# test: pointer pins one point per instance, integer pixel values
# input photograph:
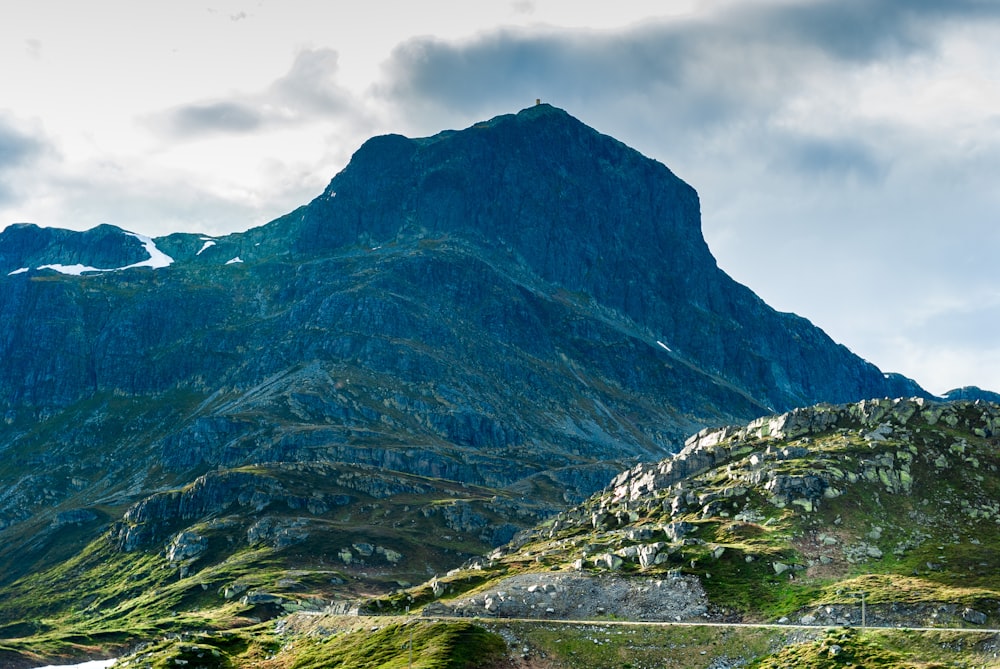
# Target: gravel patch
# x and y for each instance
(579, 596)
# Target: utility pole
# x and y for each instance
(862, 596)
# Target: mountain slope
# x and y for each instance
(580, 210)
(502, 317)
(790, 515)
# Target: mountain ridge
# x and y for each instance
(397, 188)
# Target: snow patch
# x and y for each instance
(157, 258)
(208, 243)
(73, 270)
(235, 260)
(22, 270)
(93, 664)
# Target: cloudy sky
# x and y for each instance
(847, 152)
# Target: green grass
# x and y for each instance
(452, 645)
(872, 649)
(634, 647)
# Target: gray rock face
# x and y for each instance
(562, 596)
(148, 521)
(186, 546)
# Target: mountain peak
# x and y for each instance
(579, 208)
(580, 211)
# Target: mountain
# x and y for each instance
(461, 336)
(972, 393)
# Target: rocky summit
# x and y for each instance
(461, 336)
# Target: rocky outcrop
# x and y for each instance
(795, 464)
(149, 520)
(74, 517)
(876, 419)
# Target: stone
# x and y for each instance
(391, 556)
(234, 590)
(186, 545)
(608, 561)
(363, 549)
(648, 554)
(255, 597)
(975, 617)
(677, 530)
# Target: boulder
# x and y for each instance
(185, 546)
(974, 617)
(608, 561)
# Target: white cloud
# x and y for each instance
(19, 149)
(308, 93)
